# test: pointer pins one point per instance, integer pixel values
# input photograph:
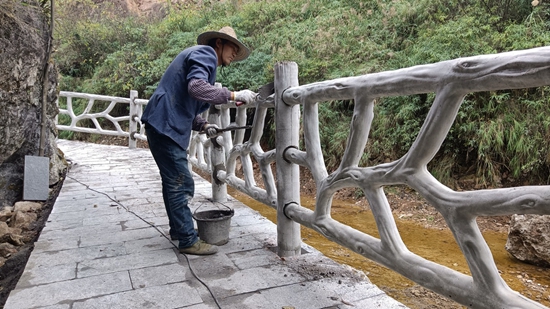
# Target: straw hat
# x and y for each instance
(226, 33)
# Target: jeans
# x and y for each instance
(178, 186)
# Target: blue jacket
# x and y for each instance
(171, 110)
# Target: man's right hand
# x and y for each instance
(245, 96)
(211, 130)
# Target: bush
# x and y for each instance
(494, 134)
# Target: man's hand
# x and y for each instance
(211, 130)
(245, 96)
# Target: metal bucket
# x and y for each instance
(213, 225)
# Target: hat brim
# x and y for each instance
(205, 37)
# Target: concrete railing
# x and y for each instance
(230, 160)
(451, 81)
(98, 109)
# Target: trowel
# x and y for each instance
(265, 91)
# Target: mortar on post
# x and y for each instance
(213, 225)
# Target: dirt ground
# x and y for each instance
(12, 270)
(406, 205)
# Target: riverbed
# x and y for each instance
(435, 244)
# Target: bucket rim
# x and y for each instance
(227, 215)
(220, 204)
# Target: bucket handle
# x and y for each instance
(231, 209)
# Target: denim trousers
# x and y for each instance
(178, 186)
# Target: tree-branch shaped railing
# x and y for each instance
(202, 151)
(221, 156)
(88, 113)
(97, 111)
(451, 81)
(247, 151)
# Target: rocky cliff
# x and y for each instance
(121, 8)
(24, 39)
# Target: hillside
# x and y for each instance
(112, 54)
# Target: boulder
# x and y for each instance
(16, 240)
(6, 213)
(7, 249)
(24, 39)
(11, 232)
(27, 206)
(16, 231)
(4, 228)
(154, 9)
(529, 239)
(23, 220)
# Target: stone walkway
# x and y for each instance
(104, 246)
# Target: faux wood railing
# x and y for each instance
(230, 160)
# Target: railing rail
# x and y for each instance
(230, 160)
(88, 113)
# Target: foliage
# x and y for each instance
(496, 135)
(247, 74)
(338, 114)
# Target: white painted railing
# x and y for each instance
(230, 160)
(451, 81)
(98, 109)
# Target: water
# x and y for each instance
(433, 244)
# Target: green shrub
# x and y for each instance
(495, 135)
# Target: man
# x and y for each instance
(185, 91)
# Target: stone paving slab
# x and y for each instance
(105, 246)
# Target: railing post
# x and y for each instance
(132, 128)
(287, 120)
(217, 157)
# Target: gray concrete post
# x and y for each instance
(287, 119)
(132, 127)
(217, 157)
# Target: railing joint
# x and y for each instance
(284, 209)
(283, 96)
(285, 153)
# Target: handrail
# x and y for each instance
(91, 114)
(231, 160)
(451, 81)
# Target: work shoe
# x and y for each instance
(200, 248)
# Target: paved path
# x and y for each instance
(104, 247)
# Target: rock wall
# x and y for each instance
(23, 44)
(151, 8)
(147, 7)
